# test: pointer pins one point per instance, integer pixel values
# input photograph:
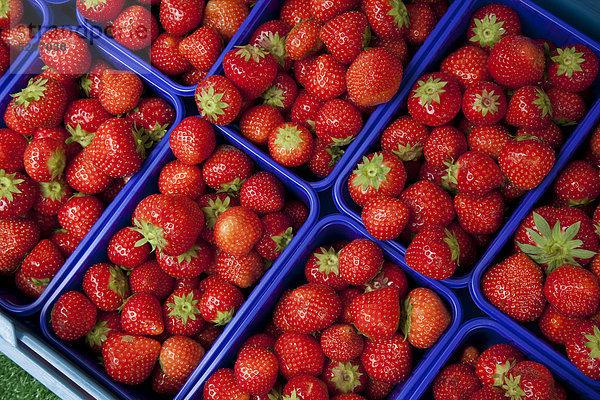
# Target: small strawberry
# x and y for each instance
(388, 20)
(66, 242)
(256, 370)
(12, 149)
(122, 249)
(444, 145)
(299, 354)
(213, 205)
(303, 40)
(17, 238)
(154, 114)
(491, 23)
(73, 57)
(567, 107)
(326, 78)
(150, 278)
(428, 204)
(376, 314)
(290, 144)
(38, 268)
(45, 159)
(257, 122)
(164, 384)
(41, 103)
(405, 137)
(82, 119)
(73, 316)
(484, 103)
(489, 139)
(305, 109)
(360, 261)
(226, 16)
(202, 48)
(142, 315)
(577, 184)
(345, 36)
(469, 356)
(177, 177)
(311, 307)
(192, 140)
(379, 174)
(18, 194)
(135, 28)
(263, 193)
(276, 235)
(85, 176)
(456, 381)
(220, 301)
(526, 163)
(385, 217)
(529, 107)
(120, 91)
(218, 100)
(222, 386)
(387, 360)
(324, 158)
(555, 326)
(297, 211)
(106, 286)
(101, 11)
(79, 214)
(342, 342)
(322, 266)
(182, 314)
(90, 82)
(426, 318)
(130, 359)
(282, 93)
(572, 68)
(435, 99)
(480, 216)
(468, 65)
(433, 252)
(179, 356)
(179, 17)
(338, 122)
(583, 346)
(573, 291)
(516, 61)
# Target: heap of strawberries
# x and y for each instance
(184, 266)
(184, 38)
(480, 132)
(72, 140)
(552, 274)
(499, 372)
(306, 82)
(348, 333)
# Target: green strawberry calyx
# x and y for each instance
(5, 8)
(214, 209)
(451, 172)
(275, 394)
(341, 142)
(188, 255)
(568, 61)
(487, 31)
(34, 91)
(93, 3)
(232, 188)
(409, 151)
(98, 334)
(512, 386)
(152, 234)
(430, 90)
(501, 371)
(249, 51)
(9, 185)
(79, 135)
(53, 191)
(336, 154)
(288, 137)
(57, 163)
(283, 240)
(452, 242)
(291, 396)
(118, 282)
(366, 37)
(399, 12)
(40, 282)
(553, 246)
(328, 261)
(142, 140)
(486, 102)
(184, 308)
(593, 343)
(86, 84)
(275, 44)
(542, 101)
(405, 316)
(346, 377)
(370, 173)
(157, 132)
(273, 96)
(210, 103)
(223, 317)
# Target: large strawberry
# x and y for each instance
(100, 11)
(346, 35)
(573, 291)
(387, 360)
(405, 137)
(202, 48)
(142, 315)
(290, 144)
(577, 184)
(491, 23)
(475, 174)
(251, 69)
(428, 204)
(480, 215)
(154, 114)
(120, 91)
(179, 17)
(79, 214)
(359, 261)
(468, 65)
(379, 174)
(226, 16)
(17, 194)
(130, 359)
(555, 326)
(41, 103)
(220, 301)
(526, 163)
(179, 356)
(65, 51)
(338, 122)
(256, 370)
(218, 100)
(322, 266)
(181, 312)
(150, 278)
(237, 230)
(342, 342)
(17, 238)
(299, 354)
(38, 268)
(222, 386)
(192, 140)
(376, 314)
(572, 68)
(73, 316)
(529, 107)
(82, 119)
(282, 93)
(240, 270)
(303, 40)
(311, 307)
(433, 252)
(495, 362)
(516, 61)
(528, 379)
(435, 99)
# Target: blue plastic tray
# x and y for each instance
(537, 23)
(11, 299)
(332, 228)
(483, 333)
(117, 216)
(374, 123)
(96, 30)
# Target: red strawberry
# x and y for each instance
(484, 103)
(433, 252)
(188, 264)
(218, 100)
(475, 174)
(179, 178)
(344, 377)
(379, 174)
(282, 93)
(495, 362)
(326, 78)
(299, 354)
(179, 17)
(106, 286)
(516, 61)
(192, 140)
(213, 205)
(237, 230)
(572, 68)
(73, 316)
(135, 28)
(107, 324)
(388, 360)
(385, 217)
(444, 145)
(182, 314)
(387, 20)
(262, 340)
(377, 390)
(374, 77)
(577, 184)
(79, 214)
(66, 242)
(101, 11)
(324, 10)
(342, 342)
(303, 40)
(12, 149)
(202, 48)
(257, 122)
(17, 238)
(122, 249)
(222, 386)
(305, 109)
(488, 139)
(256, 370)
(90, 82)
(324, 158)
(311, 307)
(290, 144)
(226, 16)
(583, 347)
(142, 315)
(85, 176)
(263, 193)
(428, 204)
(469, 356)
(150, 278)
(573, 291)
(376, 314)
(82, 119)
(491, 23)
(322, 267)
(567, 107)
(45, 159)
(277, 234)
(38, 268)
(468, 65)
(304, 387)
(480, 216)
(529, 107)
(220, 301)
(154, 114)
(359, 261)
(179, 356)
(422, 20)
(242, 271)
(251, 69)
(528, 379)
(338, 122)
(41, 103)
(455, 381)
(227, 169)
(130, 359)
(15, 123)
(12, 14)
(426, 318)
(405, 137)
(120, 91)
(65, 51)
(271, 36)
(515, 286)
(390, 275)
(345, 36)
(555, 326)
(435, 99)
(17, 194)
(297, 211)
(397, 47)
(164, 384)
(526, 163)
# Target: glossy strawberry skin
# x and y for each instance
(578, 351)
(12, 149)
(439, 108)
(237, 230)
(428, 204)
(344, 36)
(376, 314)
(226, 16)
(424, 332)
(73, 59)
(179, 17)
(379, 174)
(257, 122)
(484, 103)
(73, 316)
(385, 217)
(456, 379)
(101, 12)
(299, 354)
(517, 154)
(555, 326)
(192, 140)
(256, 370)
(251, 69)
(516, 61)
(38, 268)
(106, 285)
(311, 307)
(574, 291)
(222, 385)
(201, 48)
(503, 19)
(79, 214)
(388, 360)
(224, 110)
(566, 76)
(135, 28)
(130, 359)
(359, 261)
(303, 40)
(480, 216)
(443, 145)
(430, 254)
(387, 20)
(290, 144)
(220, 301)
(492, 360)
(468, 65)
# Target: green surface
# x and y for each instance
(16, 384)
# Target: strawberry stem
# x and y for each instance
(346, 377)
(488, 31)
(34, 91)
(328, 261)
(8, 185)
(152, 234)
(371, 172)
(210, 103)
(214, 209)
(184, 307)
(568, 61)
(54, 190)
(79, 135)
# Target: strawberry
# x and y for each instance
(572, 68)
(14, 123)
(251, 69)
(488, 139)
(180, 178)
(82, 119)
(324, 158)
(475, 174)
(297, 211)
(221, 385)
(290, 144)
(45, 159)
(325, 11)
(528, 379)
(577, 184)
(256, 370)
(142, 315)
(271, 36)
(342, 342)
(444, 145)
(558, 392)
(379, 174)
(38, 268)
(106, 286)
(385, 217)
(491, 23)
(179, 356)
(526, 163)
(220, 301)
(101, 11)
(294, 11)
(276, 235)
(73, 316)
(11, 14)
(573, 291)
(107, 324)
(583, 347)
(66, 242)
(304, 387)
(213, 205)
(344, 377)
(262, 340)
(148, 277)
(12, 149)
(201, 48)
(426, 318)
(90, 82)
(242, 271)
(257, 122)
(218, 100)
(326, 78)
(345, 36)
(322, 266)
(41, 103)
(237, 230)
(79, 214)
(516, 61)
(135, 28)
(181, 312)
(469, 356)
(468, 65)
(377, 390)
(390, 275)
(428, 204)
(480, 216)
(555, 326)
(434, 99)
(376, 314)
(164, 384)
(567, 107)
(484, 103)
(374, 77)
(387, 20)
(338, 122)
(405, 137)
(456, 381)
(515, 286)
(495, 362)
(130, 359)
(263, 193)
(226, 16)
(299, 354)
(120, 91)
(85, 176)
(433, 252)
(17, 194)
(282, 93)
(179, 17)
(529, 107)
(359, 261)
(192, 140)
(422, 20)
(387, 360)
(154, 114)
(311, 307)
(303, 40)
(301, 68)
(65, 51)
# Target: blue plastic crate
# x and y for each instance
(483, 333)
(11, 299)
(536, 23)
(332, 228)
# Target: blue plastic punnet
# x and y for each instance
(483, 333)
(11, 299)
(539, 24)
(334, 227)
